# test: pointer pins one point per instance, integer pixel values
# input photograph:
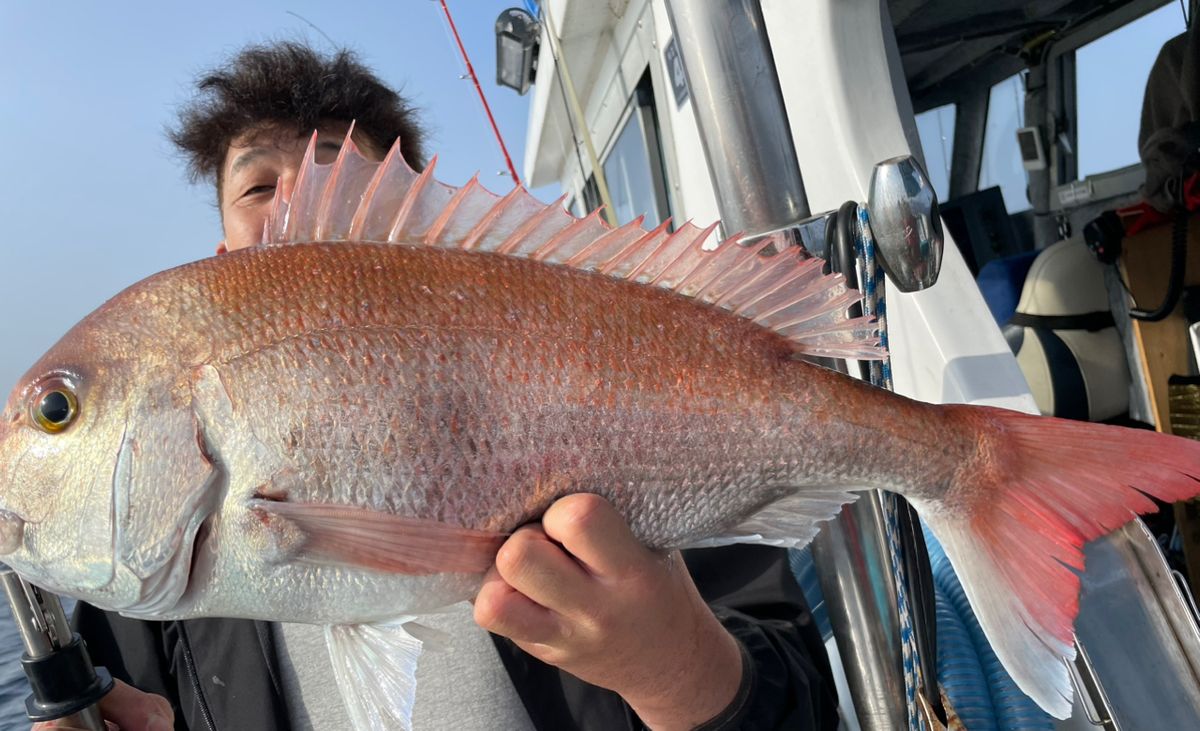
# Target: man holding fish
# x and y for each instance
(418, 395)
(579, 605)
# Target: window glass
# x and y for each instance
(1110, 82)
(589, 199)
(1001, 164)
(628, 172)
(936, 130)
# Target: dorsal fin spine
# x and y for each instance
(388, 202)
(701, 273)
(783, 281)
(692, 250)
(439, 224)
(307, 170)
(748, 279)
(717, 265)
(514, 239)
(761, 280)
(583, 254)
(358, 223)
(617, 259)
(844, 326)
(274, 226)
(742, 256)
(664, 245)
(335, 173)
(479, 230)
(566, 234)
(848, 297)
(684, 254)
(410, 200)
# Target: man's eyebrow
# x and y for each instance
(254, 153)
(246, 158)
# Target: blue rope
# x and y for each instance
(880, 374)
(874, 299)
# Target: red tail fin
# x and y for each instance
(1015, 523)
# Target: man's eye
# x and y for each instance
(259, 190)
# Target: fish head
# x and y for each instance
(99, 459)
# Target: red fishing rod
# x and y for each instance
(486, 108)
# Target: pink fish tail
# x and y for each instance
(1015, 520)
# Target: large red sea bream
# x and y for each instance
(341, 427)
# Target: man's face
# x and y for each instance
(258, 161)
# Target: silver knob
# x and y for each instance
(905, 223)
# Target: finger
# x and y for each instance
(135, 710)
(503, 610)
(592, 531)
(541, 570)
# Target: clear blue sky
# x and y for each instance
(93, 196)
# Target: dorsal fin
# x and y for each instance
(776, 286)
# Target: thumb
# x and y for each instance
(135, 710)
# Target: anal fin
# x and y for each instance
(790, 522)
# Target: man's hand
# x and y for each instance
(128, 709)
(579, 592)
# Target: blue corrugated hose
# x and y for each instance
(979, 687)
(980, 690)
(959, 668)
(805, 572)
(1015, 711)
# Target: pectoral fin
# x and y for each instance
(369, 539)
(376, 670)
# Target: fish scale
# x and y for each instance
(465, 345)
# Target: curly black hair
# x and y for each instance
(287, 83)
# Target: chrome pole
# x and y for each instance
(751, 157)
(744, 128)
(855, 571)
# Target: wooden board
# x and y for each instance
(1163, 346)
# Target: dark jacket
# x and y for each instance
(222, 674)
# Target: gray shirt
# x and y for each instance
(462, 687)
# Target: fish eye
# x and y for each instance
(55, 409)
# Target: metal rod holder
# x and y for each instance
(64, 683)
